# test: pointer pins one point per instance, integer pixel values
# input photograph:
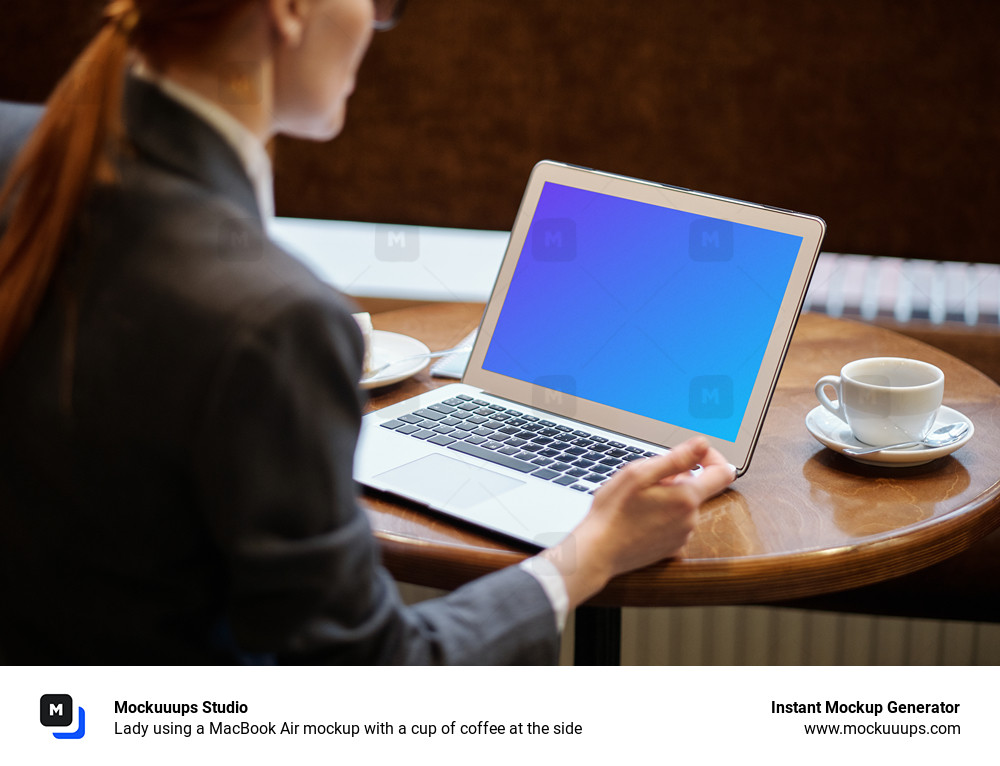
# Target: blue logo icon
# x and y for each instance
(551, 393)
(711, 240)
(554, 239)
(57, 710)
(711, 397)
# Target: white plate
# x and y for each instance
(834, 433)
(388, 346)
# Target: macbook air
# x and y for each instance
(627, 316)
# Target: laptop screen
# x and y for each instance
(650, 310)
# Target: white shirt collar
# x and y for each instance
(250, 149)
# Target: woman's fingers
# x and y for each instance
(674, 466)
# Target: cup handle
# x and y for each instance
(833, 381)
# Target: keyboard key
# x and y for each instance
(443, 430)
(577, 472)
(576, 451)
(410, 418)
(615, 444)
(549, 432)
(407, 429)
(601, 469)
(564, 480)
(564, 428)
(546, 422)
(580, 488)
(428, 414)
(542, 440)
(474, 439)
(526, 456)
(545, 473)
(599, 439)
(481, 402)
(450, 421)
(469, 406)
(560, 467)
(509, 451)
(594, 477)
(634, 450)
(583, 463)
(510, 430)
(494, 457)
(443, 408)
(549, 452)
(483, 432)
(490, 444)
(583, 434)
(467, 426)
(424, 434)
(392, 424)
(530, 418)
(513, 441)
(542, 461)
(616, 453)
(531, 447)
(498, 408)
(441, 440)
(464, 397)
(454, 401)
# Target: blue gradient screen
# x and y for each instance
(650, 310)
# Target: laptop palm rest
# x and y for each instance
(443, 482)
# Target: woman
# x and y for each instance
(177, 395)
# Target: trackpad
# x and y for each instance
(443, 482)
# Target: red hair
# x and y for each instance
(76, 142)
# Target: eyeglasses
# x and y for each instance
(387, 13)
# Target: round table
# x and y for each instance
(802, 521)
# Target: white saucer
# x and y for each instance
(387, 346)
(834, 433)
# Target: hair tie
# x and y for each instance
(123, 14)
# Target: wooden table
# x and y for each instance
(802, 521)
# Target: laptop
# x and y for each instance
(626, 317)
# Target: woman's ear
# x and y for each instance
(288, 20)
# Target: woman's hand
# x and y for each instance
(644, 513)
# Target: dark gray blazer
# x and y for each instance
(175, 472)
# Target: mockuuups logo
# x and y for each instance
(56, 710)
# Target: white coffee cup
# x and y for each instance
(885, 399)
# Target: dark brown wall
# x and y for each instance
(881, 116)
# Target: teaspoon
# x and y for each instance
(939, 437)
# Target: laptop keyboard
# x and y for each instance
(506, 436)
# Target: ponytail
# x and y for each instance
(71, 148)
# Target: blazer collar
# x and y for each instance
(172, 136)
